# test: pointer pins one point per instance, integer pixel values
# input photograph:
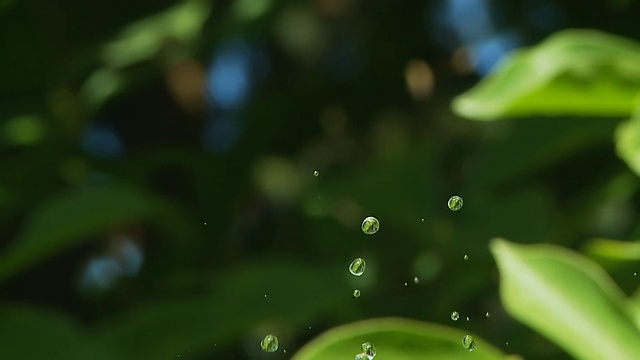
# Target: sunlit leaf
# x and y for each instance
(568, 299)
(614, 250)
(628, 140)
(574, 72)
(397, 339)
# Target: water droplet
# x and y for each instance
(284, 351)
(455, 203)
(269, 343)
(468, 343)
(635, 274)
(369, 350)
(316, 173)
(370, 225)
(357, 267)
(205, 224)
(455, 316)
(405, 284)
(466, 257)
(506, 343)
(422, 219)
(356, 293)
(363, 356)
(487, 315)
(416, 280)
(468, 318)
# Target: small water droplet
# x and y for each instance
(357, 267)
(269, 343)
(487, 315)
(422, 219)
(468, 343)
(416, 280)
(356, 293)
(455, 316)
(635, 274)
(405, 284)
(316, 173)
(369, 350)
(370, 225)
(468, 318)
(265, 296)
(284, 351)
(506, 343)
(363, 356)
(455, 203)
(466, 257)
(205, 224)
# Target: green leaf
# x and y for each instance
(296, 294)
(614, 250)
(72, 217)
(574, 72)
(568, 299)
(29, 333)
(397, 339)
(628, 140)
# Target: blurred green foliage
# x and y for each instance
(240, 241)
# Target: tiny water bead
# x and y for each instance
(466, 257)
(357, 267)
(455, 203)
(269, 343)
(487, 315)
(455, 316)
(356, 293)
(370, 225)
(316, 173)
(416, 280)
(362, 356)
(468, 319)
(369, 350)
(468, 343)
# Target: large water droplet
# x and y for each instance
(455, 316)
(455, 203)
(370, 225)
(357, 267)
(356, 293)
(269, 343)
(369, 349)
(468, 343)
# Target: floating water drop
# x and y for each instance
(416, 280)
(487, 315)
(466, 257)
(362, 356)
(357, 267)
(635, 274)
(269, 343)
(316, 173)
(468, 343)
(405, 284)
(455, 316)
(356, 293)
(370, 225)
(369, 350)
(455, 203)
(468, 318)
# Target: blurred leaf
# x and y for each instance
(296, 294)
(566, 298)
(614, 250)
(574, 72)
(396, 339)
(72, 217)
(29, 333)
(145, 38)
(628, 140)
(23, 130)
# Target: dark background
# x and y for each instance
(158, 162)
